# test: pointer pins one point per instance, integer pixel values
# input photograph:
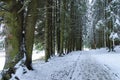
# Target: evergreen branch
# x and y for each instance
(4, 8)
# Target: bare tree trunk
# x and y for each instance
(48, 33)
(62, 27)
(58, 25)
(30, 24)
(14, 23)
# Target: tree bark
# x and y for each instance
(30, 24)
(14, 23)
(48, 31)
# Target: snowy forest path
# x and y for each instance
(77, 65)
(84, 68)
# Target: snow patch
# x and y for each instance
(20, 69)
(114, 36)
(1, 27)
(117, 22)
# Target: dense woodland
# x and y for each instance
(58, 26)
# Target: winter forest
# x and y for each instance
(72, 39)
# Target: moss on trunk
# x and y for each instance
(13, 23)
(30, 28)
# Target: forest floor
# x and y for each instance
(96, 64)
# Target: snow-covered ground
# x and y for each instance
(36, 55)
(78, 65)
(2, 59)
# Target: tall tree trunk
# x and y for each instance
(72, 24)
(62, 27)
(48, 26)
(58, 25)
(13, 38)
(53, 28)
(30, 24)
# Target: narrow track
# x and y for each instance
(84, 68)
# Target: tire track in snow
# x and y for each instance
(67, 72)
(89, 69)
(73, 68)
(84, 68)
